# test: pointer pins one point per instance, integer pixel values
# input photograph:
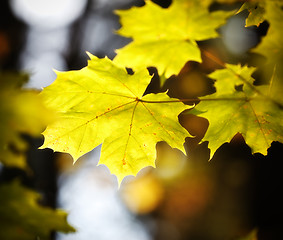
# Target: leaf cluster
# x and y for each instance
(103, 104)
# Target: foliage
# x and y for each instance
(256, 13)
(254, 111)
(166, 38)
(103, 104)
(271, 45)
(21, 217)
(23, 112)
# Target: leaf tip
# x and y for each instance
(57, 72)
(118, 12)
(42, 146)
(91, 56)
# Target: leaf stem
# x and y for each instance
(220, 63)
(193, 100)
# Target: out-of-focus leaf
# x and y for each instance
(251, 236)
(166, 38)
(271, 45)
(21, 112)
(276, 86)
(102, 103)
(143, 195)
(22, 218)
(256, 12)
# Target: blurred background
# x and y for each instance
(186, 196)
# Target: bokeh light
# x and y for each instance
(237, 38)
(90, 195)
(48, 13)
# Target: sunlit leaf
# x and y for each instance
(102, 103)
(255, 112)
(166, 38)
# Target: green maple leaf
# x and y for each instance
(21, 112)
(22, 218)
(101, 103)
(166, 38)
(255, 112)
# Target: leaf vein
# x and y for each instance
(88, 121)
(161, 125)
(259, 124)
(130, 133)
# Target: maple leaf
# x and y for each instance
(102, 103)
(256, 12)
(271, 45)
(255, 112)
(21, 112)
(23, 218)
(166, 38)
